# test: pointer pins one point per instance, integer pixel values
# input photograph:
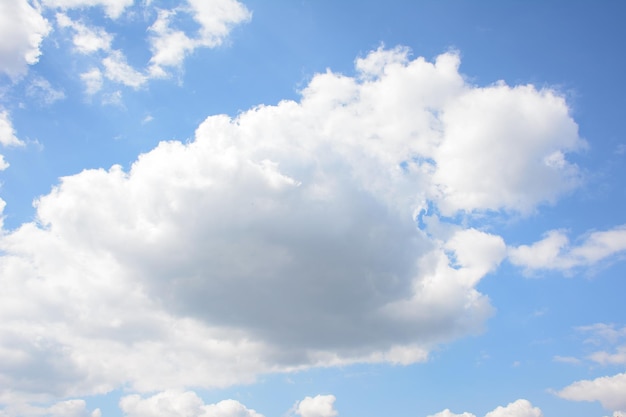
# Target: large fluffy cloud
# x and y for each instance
(22, 29)
(284, 238)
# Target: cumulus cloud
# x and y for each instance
(22, 29)
(282, 239)
(112, 8)
(519, 408)
(608, 390)
(555, 252)
(181, 404)
(318, 406)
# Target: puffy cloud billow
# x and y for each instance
(284, 238)
(519, 408)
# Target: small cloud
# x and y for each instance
(3, 164)
(40, 89)
(92, 80)
(114, 98)
(7, 132)
(566, 359)
(147, 119)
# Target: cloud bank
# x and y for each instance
(284, 238)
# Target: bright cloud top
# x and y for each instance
(181, 404)
(22, 29)
(608, 390)
(282, 239)
(318, 406)
(519, 408)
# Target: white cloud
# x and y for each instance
(3, 164)
(68, 408)
(276, 241)
(7, 132)
(607, 336)
(519, 408)
(608, 390)
(112, 8)
(318, 406)
(217, 18)
(86, 39)
(170, 45)
(181, 404)
(607, 358)
(555, 252)
(477, 170)
(117, 69)
(92, 80)
(566, 359)
(22, 29)
(41, 89)
(448, 413)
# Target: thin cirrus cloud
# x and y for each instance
(23, 27)
(285, 238)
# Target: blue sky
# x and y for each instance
(214, 208)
